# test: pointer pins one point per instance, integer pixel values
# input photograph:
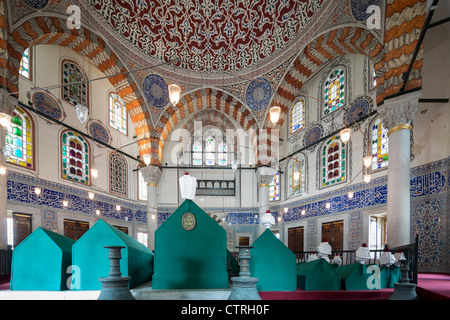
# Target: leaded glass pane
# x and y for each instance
(222, 154)
(298, 116)
(380, 145)
(274, 188)
(117, 113)
(197, 153)
(75, 158)
(334, 91)
(210, 148)
(24, 68)
(142, 192)
(333, 162)
(118, 174)
(19, 141)
(75, 85)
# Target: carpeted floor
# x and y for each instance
(433, 286)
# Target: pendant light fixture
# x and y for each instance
(91, 195)
(5, 120)
(275, 114)
(37, 190)
(94, 173)
(82, 113)
(147, 159)
(367, 161)
(345, 135)
(174, 94)
(2, 170)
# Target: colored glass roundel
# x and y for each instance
(258, 94)
(47, 105)
(334, 91)
(156, 91)
(19, 140)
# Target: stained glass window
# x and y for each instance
(75, 89)
(334, 91)
(296, 176)
(380, 145)
(274, 188)
(118, 174)
(210, 151)
(117, 113)
(75, 157)
(25, 64)
(298, 116)
(19, 140)
(222, 154)
(334, 165)
(142, 187)
(197, 153)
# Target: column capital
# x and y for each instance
(397, 113)
(264, 176)
(151, 174)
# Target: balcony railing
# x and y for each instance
(216, 187)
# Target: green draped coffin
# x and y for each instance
(317, 275)
(90, 257)
(389, 276)
(273, 264)
(190, 251)
(356, 277)
(40, 262)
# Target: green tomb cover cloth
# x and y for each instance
(394, 275)
(90, 257)
(273, 263)
(40, 262)
(190, 251)
(317, 275)
(355, 276)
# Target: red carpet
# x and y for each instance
(433, 286)
(382, 294)
(4, 283)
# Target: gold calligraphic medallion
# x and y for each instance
(188, 221)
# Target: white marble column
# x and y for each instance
(264, 177)
(151, 175)
(397, 114)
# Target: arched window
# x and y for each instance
(118, 174)
(298, 116)
(274, 188)
(117, 113)
(334, 166)
(296, 176)
(75, 153)
(222, 158)
(25, 64)
(142, 186)
(380, 145)
(19, 140)
(210, 151)
(334, 91)
(75, 89)
(197, 153)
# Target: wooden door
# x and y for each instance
(244, 241)
(333, 232)
(75, 229)
(123, 229)
(21, 227)
(295, 239)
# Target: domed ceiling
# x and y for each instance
(211, 39)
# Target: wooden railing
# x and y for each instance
(349, 256)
